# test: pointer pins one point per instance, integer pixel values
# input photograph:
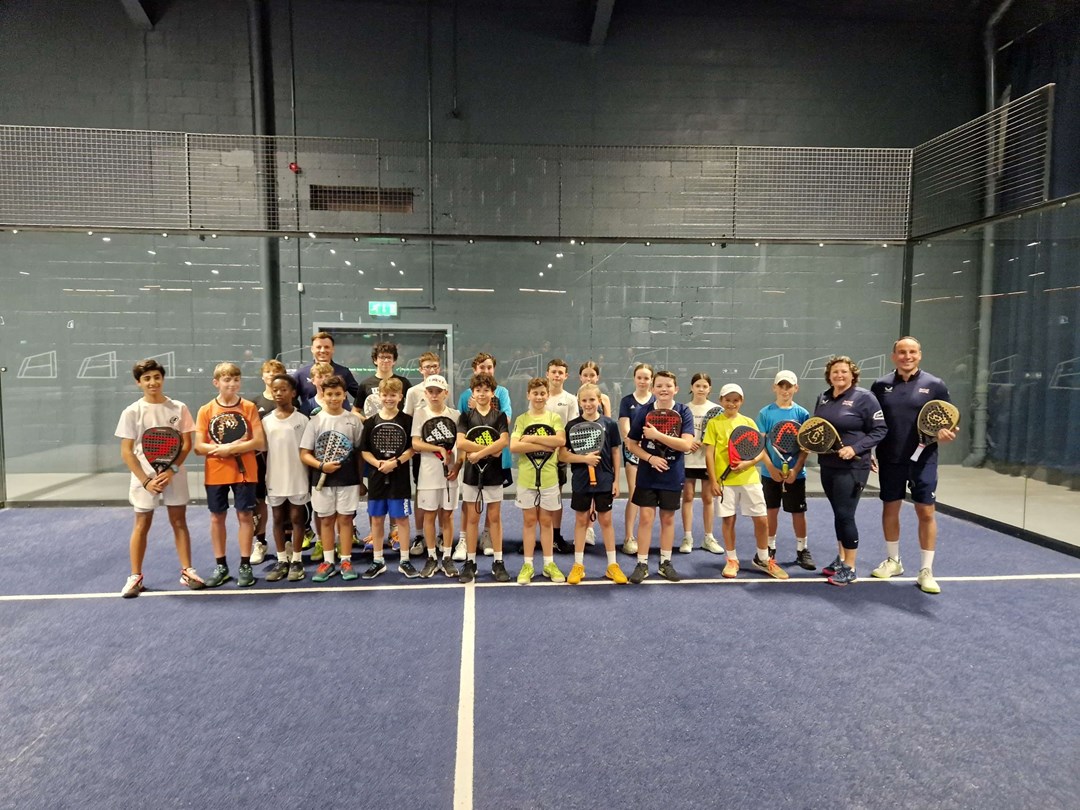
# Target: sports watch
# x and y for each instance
(174, 468)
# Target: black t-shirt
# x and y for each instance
(493, 471)
(398, 484)
(371, 386)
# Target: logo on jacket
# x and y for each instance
(848, 403)
(924, 390)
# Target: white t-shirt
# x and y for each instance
(139, 417)
(565, 405)
(286, 475)
(431, 469)
(414, 398)
(696, 460)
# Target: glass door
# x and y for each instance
(353, 344)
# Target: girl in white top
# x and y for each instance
(701, 386)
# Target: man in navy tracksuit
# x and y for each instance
(902, 395)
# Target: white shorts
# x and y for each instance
(751, 498)
(493, 493)
(550, 498)
(296, 500)
(335, 500)
(431, 500)
(175, 494)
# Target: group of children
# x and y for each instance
(280, 466)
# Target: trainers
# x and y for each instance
(309, 538)
(731, 569)
(133, 586)
(407, 569)
(630, 546)
(525, 575)
(499, 572)
(245, 577)
(640, 573)
(772, 552)
(418, 547)
(348, 573)
(468, 572)
(771, 568)
(461, 550)
(324, 572)
(844, 575)
(377, 567)
(687, 544)
(279, 572)
(561, 546)
(258, 552)
(316, 552)
(296, 572)
(804, 560)
(577, 573)
(668, 572)
(552, 572)
(448, 568)
(711, 545)
(889, 568)
(485, 544)
(430, 567)
(190, 577)
(832, 567)
(926, 581)
(590, 536)
(615, 574)
(220, 576)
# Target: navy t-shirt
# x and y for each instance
(901, 400)
(605, 471)
(675, 475)
(858, 419)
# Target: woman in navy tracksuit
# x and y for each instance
(857, 417)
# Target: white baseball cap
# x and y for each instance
(436, 381)
(786, 376)
(731, 388)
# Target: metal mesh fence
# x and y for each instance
(997, 163)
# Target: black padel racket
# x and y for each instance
(228, 427)
(388, 440)
(440, 431)
(710, 414)
(331, 447)
(744, 444)
(586, 438)
(935, 415)
(817, 435)
(538, 458)
(784, 438)
(485, 436)
(669, 423)
(161, 446)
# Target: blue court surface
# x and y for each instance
(707, 693)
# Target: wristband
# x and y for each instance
(147, 481)
(321, 466)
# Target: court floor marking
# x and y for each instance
(423, 586)
(463, 764)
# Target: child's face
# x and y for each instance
(701, 388)
(390, 399)
(664, 389)
(482, 394)
(643, 379)
(385, 364)
(731, 404)
(228, 385)
(334, 399)
(556, 375)
(487, 367)
(436, 396)
(150, 383)
(538, 398)
(785, 392)
(589, 375)
(589, 404)
(283, 392)
(318, 379)
(429, 367)
(268, 376)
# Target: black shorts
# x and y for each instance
(697, 474)
(793, 499)
(666, 499)
(895, 479)
(260, 486)
(562, 474)
(583, 501)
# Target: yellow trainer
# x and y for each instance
(615, 574)
(577, 573)
(731, 569)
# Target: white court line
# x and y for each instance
(421, 586)
(463, 765)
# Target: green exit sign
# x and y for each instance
(382, 309)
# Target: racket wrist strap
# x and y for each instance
(147, 481)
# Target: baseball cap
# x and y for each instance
(436, 381)
(731, 388)
(786, 376)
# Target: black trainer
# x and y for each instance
(296, 571)
(499, 572)
(448, 567)
(376, 568)
(668, 572)
(640, 573)
(406, 568)
(804, 560)
(430, 567)
(562, 547)
(468, 572)
(279, 571)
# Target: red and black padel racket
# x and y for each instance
(669, 423)
(784, 438)
(161, 447)
(744, 443)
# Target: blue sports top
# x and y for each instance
(858, 419)
(901, 400)
(772, 414)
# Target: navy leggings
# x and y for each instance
(843, 487)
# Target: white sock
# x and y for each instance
(579, 557)
(665, 556)
(892, 548)
(643, 558)
(549, 560)
(431, 552)
(404, 553)
(471, 557)
(498, 556)
(800, 544)
(688, 536)
(611, 558)
(381, 559)
(328, 556)
(772, 541)
(298, 556)
(927, 559)
(529, 561)
(763, 554)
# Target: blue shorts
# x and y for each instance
(217, 497)
(894, 480)
(395, 507)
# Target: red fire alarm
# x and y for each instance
(294, 168)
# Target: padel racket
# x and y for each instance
(669, 423)
(817, 435)
(784, 437)
(538, 458)
(228, 427)
(388, 440)
(586, 438)
(331, 447)
(744, 444)
(161, 446)
(485, 436)
(372, 405)
(440, 431)
(710, 414)
(934, 415)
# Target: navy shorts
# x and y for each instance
(583, 501)
(896, 479)
(260, 487)
(793, 498)
(217, 497)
